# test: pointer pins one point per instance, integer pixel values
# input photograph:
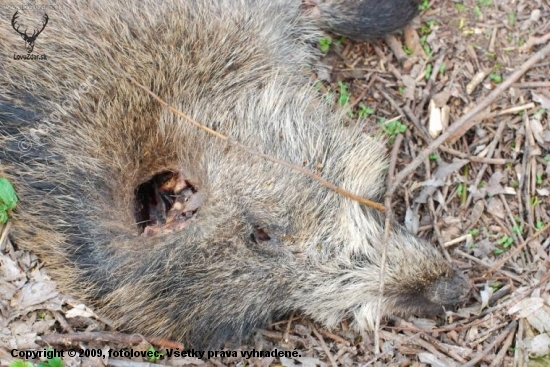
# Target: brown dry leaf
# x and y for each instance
(443, 170)
(493, 186)
(9, 268)
(538, 132)
(22, 342)
(433, 361)
(424, 324)
(80, 310)
(540, 319)
(33, 294)
(539, 346)
(302, 362)
(526, 307)
(485, 295)
(541, 99)
(187, 361)
(496, 208)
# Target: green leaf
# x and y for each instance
(344, 94)
(324, 44)
(7, 194)
(55, 362)
(3, 217)
(19, 363)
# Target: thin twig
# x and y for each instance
(442, 354)
(279, 336)
(503, 350)
(474, 158)
(387, 230)
(63, 322)
(287, 330)
(323, 345)
(335, 337)
(132, 363)
(532, 85)
(109, 337)
(509, 329)
(402, 341)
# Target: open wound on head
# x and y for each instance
(165, 203)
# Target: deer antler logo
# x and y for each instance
(29, 39)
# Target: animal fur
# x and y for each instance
(78, 138)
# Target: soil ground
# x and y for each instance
(484, 197)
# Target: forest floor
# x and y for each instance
(470, 70)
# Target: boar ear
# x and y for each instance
(362, 20)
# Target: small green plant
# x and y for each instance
(394, 127)
(401, 89)
(364, 110)
(20, 363)
(511, 19)
(407, 50)
(504, 241)
(539, 178)
(535, 201)
(344, 94)
(460, 189)
(154, 357)
(442, 68)
(539, 225)
(425, 30)
(426, 47)
(424, 5)
(518, 229)
(340, 40)
(428, 72)
(547, 158)
(431, 23)
(460, 7)
(324, 44)
(433, 157)
(51, 362)
(497, 78)
(495, 287)
(8, 199)
(485, 3)
(474, 232)
(477, 11)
